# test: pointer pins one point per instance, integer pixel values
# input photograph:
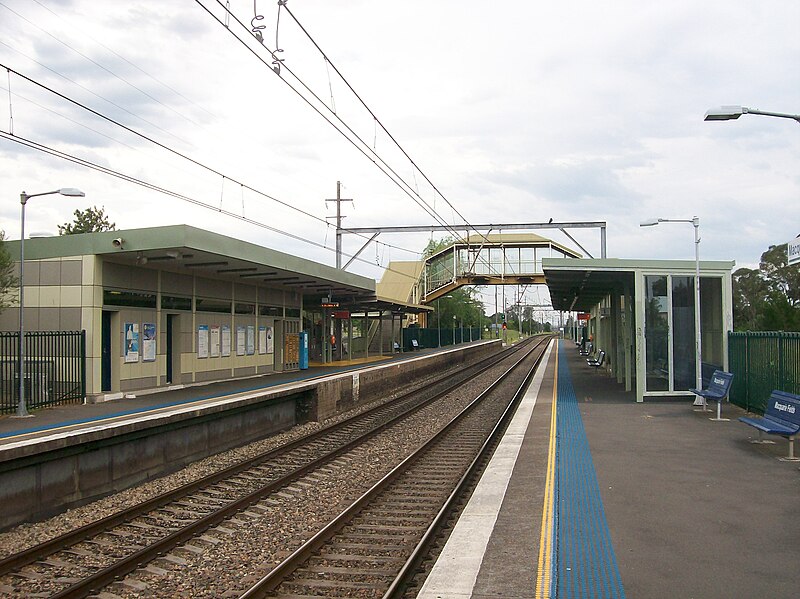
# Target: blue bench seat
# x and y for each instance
(782, 417)
(718, 388)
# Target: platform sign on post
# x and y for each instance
(793, 250)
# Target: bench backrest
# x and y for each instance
(784, 407)
(720, 383)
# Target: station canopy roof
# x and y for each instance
(189, 250)
(580, 284)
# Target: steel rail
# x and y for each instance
(422, 548)
(131, 562)
(37, 552)
(276, 576)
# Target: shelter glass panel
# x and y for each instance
(512, 260)
(656, 333)
(711, 322)
(684, 357)
(527, 260)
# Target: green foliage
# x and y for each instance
(767, 298)
(436, 245)
(7, 278)
(462, 304)
(91, 220)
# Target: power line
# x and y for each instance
(134, 65)
(172, 150)
(157, 188)
(372, 114)
(100, 66)
(397, 179)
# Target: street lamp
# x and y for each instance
(695, 221)
(22, 411)
(726, 113)
(454, 329)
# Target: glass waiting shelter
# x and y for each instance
(642, 314)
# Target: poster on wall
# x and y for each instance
(214, 342)
(131, 342)
(239, 341)
(148, 342)
(202, 341)
(270, 341)
(226, 341)
(251, 340)
(262, 339)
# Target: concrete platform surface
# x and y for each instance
(690, 508)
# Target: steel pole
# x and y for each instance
(22, 409)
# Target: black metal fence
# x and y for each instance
(55, 369)
(761, 362)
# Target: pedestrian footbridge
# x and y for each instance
(495, 259)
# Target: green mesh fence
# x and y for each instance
(761, 362)
(438, 337)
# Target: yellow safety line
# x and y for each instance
(545, 562)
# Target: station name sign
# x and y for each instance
(793, 250)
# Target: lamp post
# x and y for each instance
(727, 113)
(22, 410)
(695, 221)
(454, 329)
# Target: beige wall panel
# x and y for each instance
(71, 272)
(49, 272)
(31, 297)
(32, 269)
(211, 288)
(49, 297)
(89, 270)
(71, 296)
(246, 293)
(173, 283)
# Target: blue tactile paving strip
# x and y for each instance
(584, 564)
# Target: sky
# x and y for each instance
(472, 111)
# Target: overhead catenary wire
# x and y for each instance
(102, 67)
(157, 188)
(375, 117)
(172, 150)
(125, 60)
(363, 147)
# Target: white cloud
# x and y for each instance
(521, 111)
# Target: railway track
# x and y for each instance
(82, 562)
(375, 546)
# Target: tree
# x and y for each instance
(91, 220)
(7, 277)
(767, 298)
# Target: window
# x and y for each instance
(174, 302)
(241, 308)
(270, 311)
(656, 333)
(212, 305)
(129, 299)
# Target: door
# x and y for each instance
(105, 352)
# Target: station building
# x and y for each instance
(177, 305)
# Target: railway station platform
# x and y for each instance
(594, 495)
(69, 455)
(143, 402)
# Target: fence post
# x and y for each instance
(83, 365)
